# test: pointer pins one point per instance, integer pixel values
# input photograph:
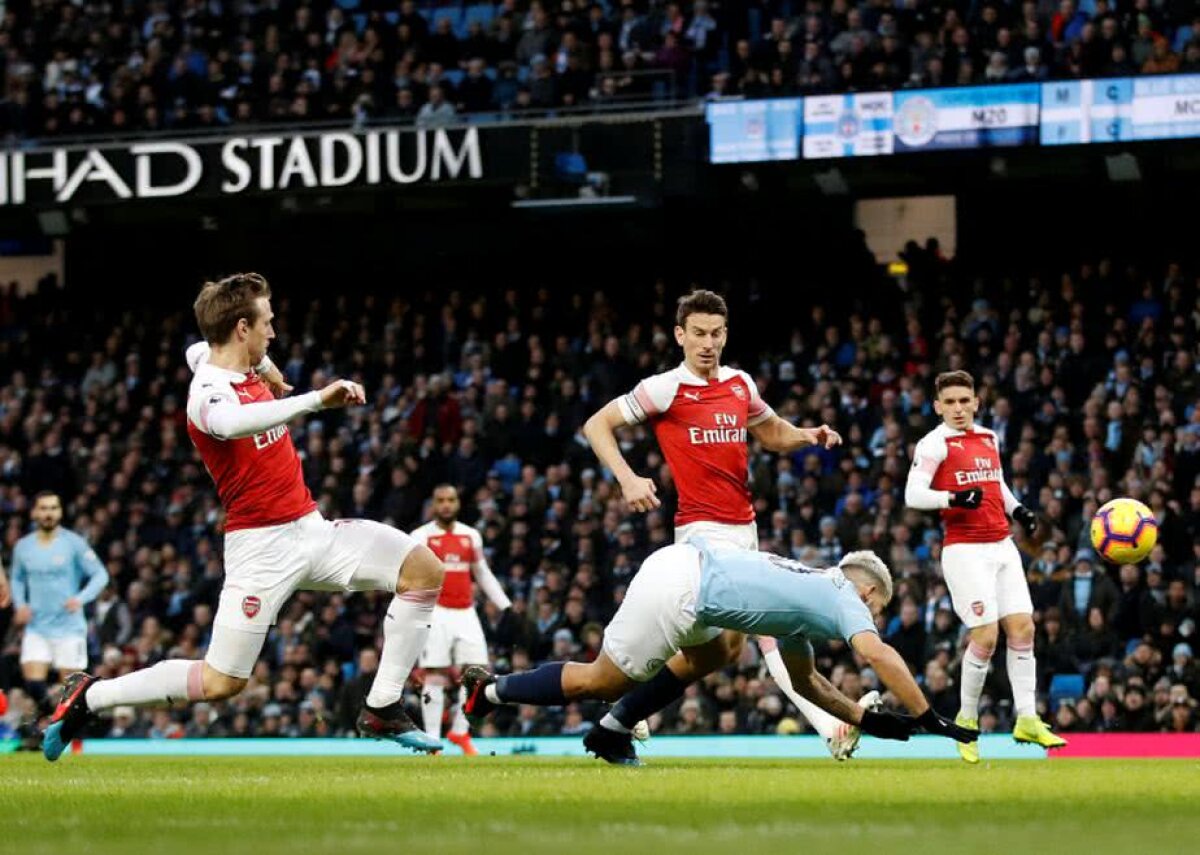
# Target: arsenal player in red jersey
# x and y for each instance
(456, 638)
(276, 541)
(956, 470)
(702, 413)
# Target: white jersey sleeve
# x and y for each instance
(214, 408)
(650, 398)
(759, 410)
(484, 577)
(928, 456)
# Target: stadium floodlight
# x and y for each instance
(832, 183)
(1123, 167)
(54, 223)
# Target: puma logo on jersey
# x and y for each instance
(244, 393)
(692, 396)
(956, 444)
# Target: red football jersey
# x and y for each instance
(959, 461)
(459, 549)
(258, 477)
(701, 428)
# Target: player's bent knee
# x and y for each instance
(421, 571)
(985, 637)
(220, 687)
(735, 643)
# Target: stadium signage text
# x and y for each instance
(168, 169)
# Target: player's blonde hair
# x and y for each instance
(868, 562)
(223, 303)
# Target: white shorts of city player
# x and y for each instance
(64, 653)
(658, 614)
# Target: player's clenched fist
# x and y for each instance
(343, 393)
(826, 436)
(640, 494)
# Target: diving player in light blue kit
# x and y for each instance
(685, 594)
(49, 570)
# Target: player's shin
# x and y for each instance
(36, 689)
(661, 690)
(458, 720)
(1022, 674)
(405, 631)
(541, 687)
(433, 704)
(165, 683)
(974, 674)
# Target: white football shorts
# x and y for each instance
(658, 614)
(264, 566)
(455, 638)
(65, 653)
(717, 534)
(986, 581)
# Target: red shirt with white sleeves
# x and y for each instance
(701, 428)
(460, 549)
(961, 460)
(258, 477)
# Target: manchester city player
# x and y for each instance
(54, 575)
(686, 593)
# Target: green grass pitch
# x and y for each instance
(495, 805)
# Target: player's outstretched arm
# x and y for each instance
(601, 432)
(813, 686)
(221, 416)
(894, 673)
(779, 435)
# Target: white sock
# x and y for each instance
(489, 692)
(459, 723)
(974, 673)
(405, 630)
(164, 683)
(824, 723)
(433, 702)
(1022, 674)
(610, 723)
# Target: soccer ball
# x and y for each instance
(1124, 531)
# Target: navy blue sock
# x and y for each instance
(648, 698)
(541, 687)
(36, 689)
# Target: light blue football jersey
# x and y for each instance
(759, 593)
(46, 575)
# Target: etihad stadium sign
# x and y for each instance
(229, 166)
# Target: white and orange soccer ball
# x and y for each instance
(1124, 531)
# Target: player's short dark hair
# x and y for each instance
(445, 485)
(221, 304)
(46, 494)
(700, 302)
(953, 378)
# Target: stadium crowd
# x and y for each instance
(74, 68)
(1088, 376)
